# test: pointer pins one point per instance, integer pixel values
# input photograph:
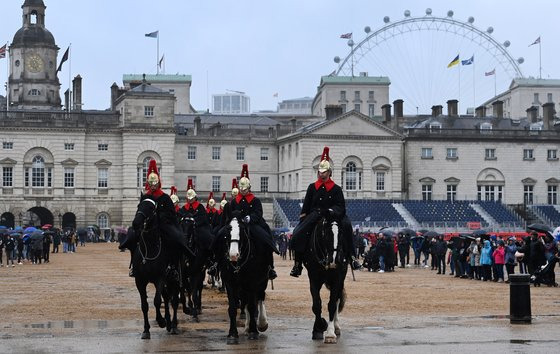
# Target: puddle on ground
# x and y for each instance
(82, 324)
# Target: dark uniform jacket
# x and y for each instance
(203, 233)
(251, 206)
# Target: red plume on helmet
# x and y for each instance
(224, 196)
(152, 168)
(234, 183)
(245, 171)
(210, 197)
(190, 184)
(173, 190)
(325, 155)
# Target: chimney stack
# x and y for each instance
(114, 95)
(77, 87)
(294, 124)
(452, 108)
(548, 115)
(436, 110)
(197, 125)
(386, 113)
(480, 112)
(498, 109)
(532, 114)
(333, 111)
(67, 100)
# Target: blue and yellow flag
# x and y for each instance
(454, 61)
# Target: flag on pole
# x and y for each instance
(537, 41)
(454, 61)
(346, 35)
(161, 60)
(275, 95)
(468, 61)
(64, 58)
(152, 34)
(490, 73)
(3, 51)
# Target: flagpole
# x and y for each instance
(473, 86)
(69, 77)
(157, 58)
(495, 92)
(7, 78)
(459, 101)
(540, 65)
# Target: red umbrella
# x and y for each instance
(46, 226)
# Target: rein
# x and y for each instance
(145, 231)
(237, 267)
(322, 258)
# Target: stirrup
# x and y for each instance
(272, 274)
(296, 270)
(131, 272)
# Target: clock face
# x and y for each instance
(34, 63)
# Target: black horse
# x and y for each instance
(244, 268)
(151, 262)
(327, 265)
(194, 270)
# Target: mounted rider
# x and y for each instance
(165, 211)
(211, 211)
(174, 198)
(193, 209)
(323, 198)
(247, 208)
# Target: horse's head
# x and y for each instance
(145, 212)
(235, 235)
(188, 227)
(326, 243)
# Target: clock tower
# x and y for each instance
(33, 83)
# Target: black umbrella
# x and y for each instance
(386, 232)
(479, 232)
(430, 234)
(423, 231)
(408, 232)
(541, 228)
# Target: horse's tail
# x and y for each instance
(342, 300)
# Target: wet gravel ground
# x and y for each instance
(85, 302)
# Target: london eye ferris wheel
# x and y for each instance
(418, 55)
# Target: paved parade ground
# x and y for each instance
(85, 302)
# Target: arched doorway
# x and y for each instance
(8, 220)
(69, 220)
(38, 216)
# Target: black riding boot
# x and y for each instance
(131, 269)
(298, 267)
(271, 272)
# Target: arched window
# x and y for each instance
(143, 171)
(350, 179)
(103, 221)
(38, 172)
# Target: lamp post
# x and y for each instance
(60, 220)
(20, 218)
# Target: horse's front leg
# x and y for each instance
(320, 324)
(175, 306)
(233, 335)
(157, 305)
(263, 321)
(252, 333)
(141, 286)
(330, 336)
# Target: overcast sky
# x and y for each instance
(259, 47)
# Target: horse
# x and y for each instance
(151, 263)
(244, 268)
(327, 265)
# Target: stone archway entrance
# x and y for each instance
(8, 220)
(38, 216)
(69, 220)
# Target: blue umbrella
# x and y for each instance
(2, 227)
(18, 229)
(29, 229)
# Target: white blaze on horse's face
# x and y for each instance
(234, 241)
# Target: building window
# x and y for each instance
(216, 183)
(426, 192)
(191, 153)
(38, 172)
(451, 192)
(283, 183)
(549, 97)
(356, 95)
(102, 177)
(102, 147)
(370, 96)
(264, 184)
(68, 146)
(103, 221)
(216, 152)
(142, 172)
(371, 110)
(553, 194)
(380, 181)
(297, 149)
(289, 182)
(427, 153)
(34, 92)
(357, 107)
(528, 194)
(528, 154)
(289, 151)
(536, 98)
(7, 145)
(350, 178)
(343, 95)
(240, 155)
(489, 154)
(490, 193)
(343, 108)
(264, 154)
(297, 182)
(68, 177)
(452, 153)
(282, 153)
(148, 111)
(486, 126)
(7, 176)
(551, 154)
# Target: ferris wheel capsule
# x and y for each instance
(450, 13)
(507, 44)
(428, 11)
(471, 20)
(337, 59)
(406, 13)
(367, 29)
(490, 30)
(386, 19)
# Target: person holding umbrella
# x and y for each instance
(10, 246)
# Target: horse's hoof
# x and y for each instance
(196, 319)
(145, 335)
(232, 340)
(263, 328)
(337, 332)
(253, 336)
(174, 331)
(317, 335)
(161, 323)
(330, 340)
(240, 323)
(187, 311)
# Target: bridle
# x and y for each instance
(146, 230)
(243, 258)
(320, 246)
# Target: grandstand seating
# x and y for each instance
(550, 212)
(498, 211)
(442, 211)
